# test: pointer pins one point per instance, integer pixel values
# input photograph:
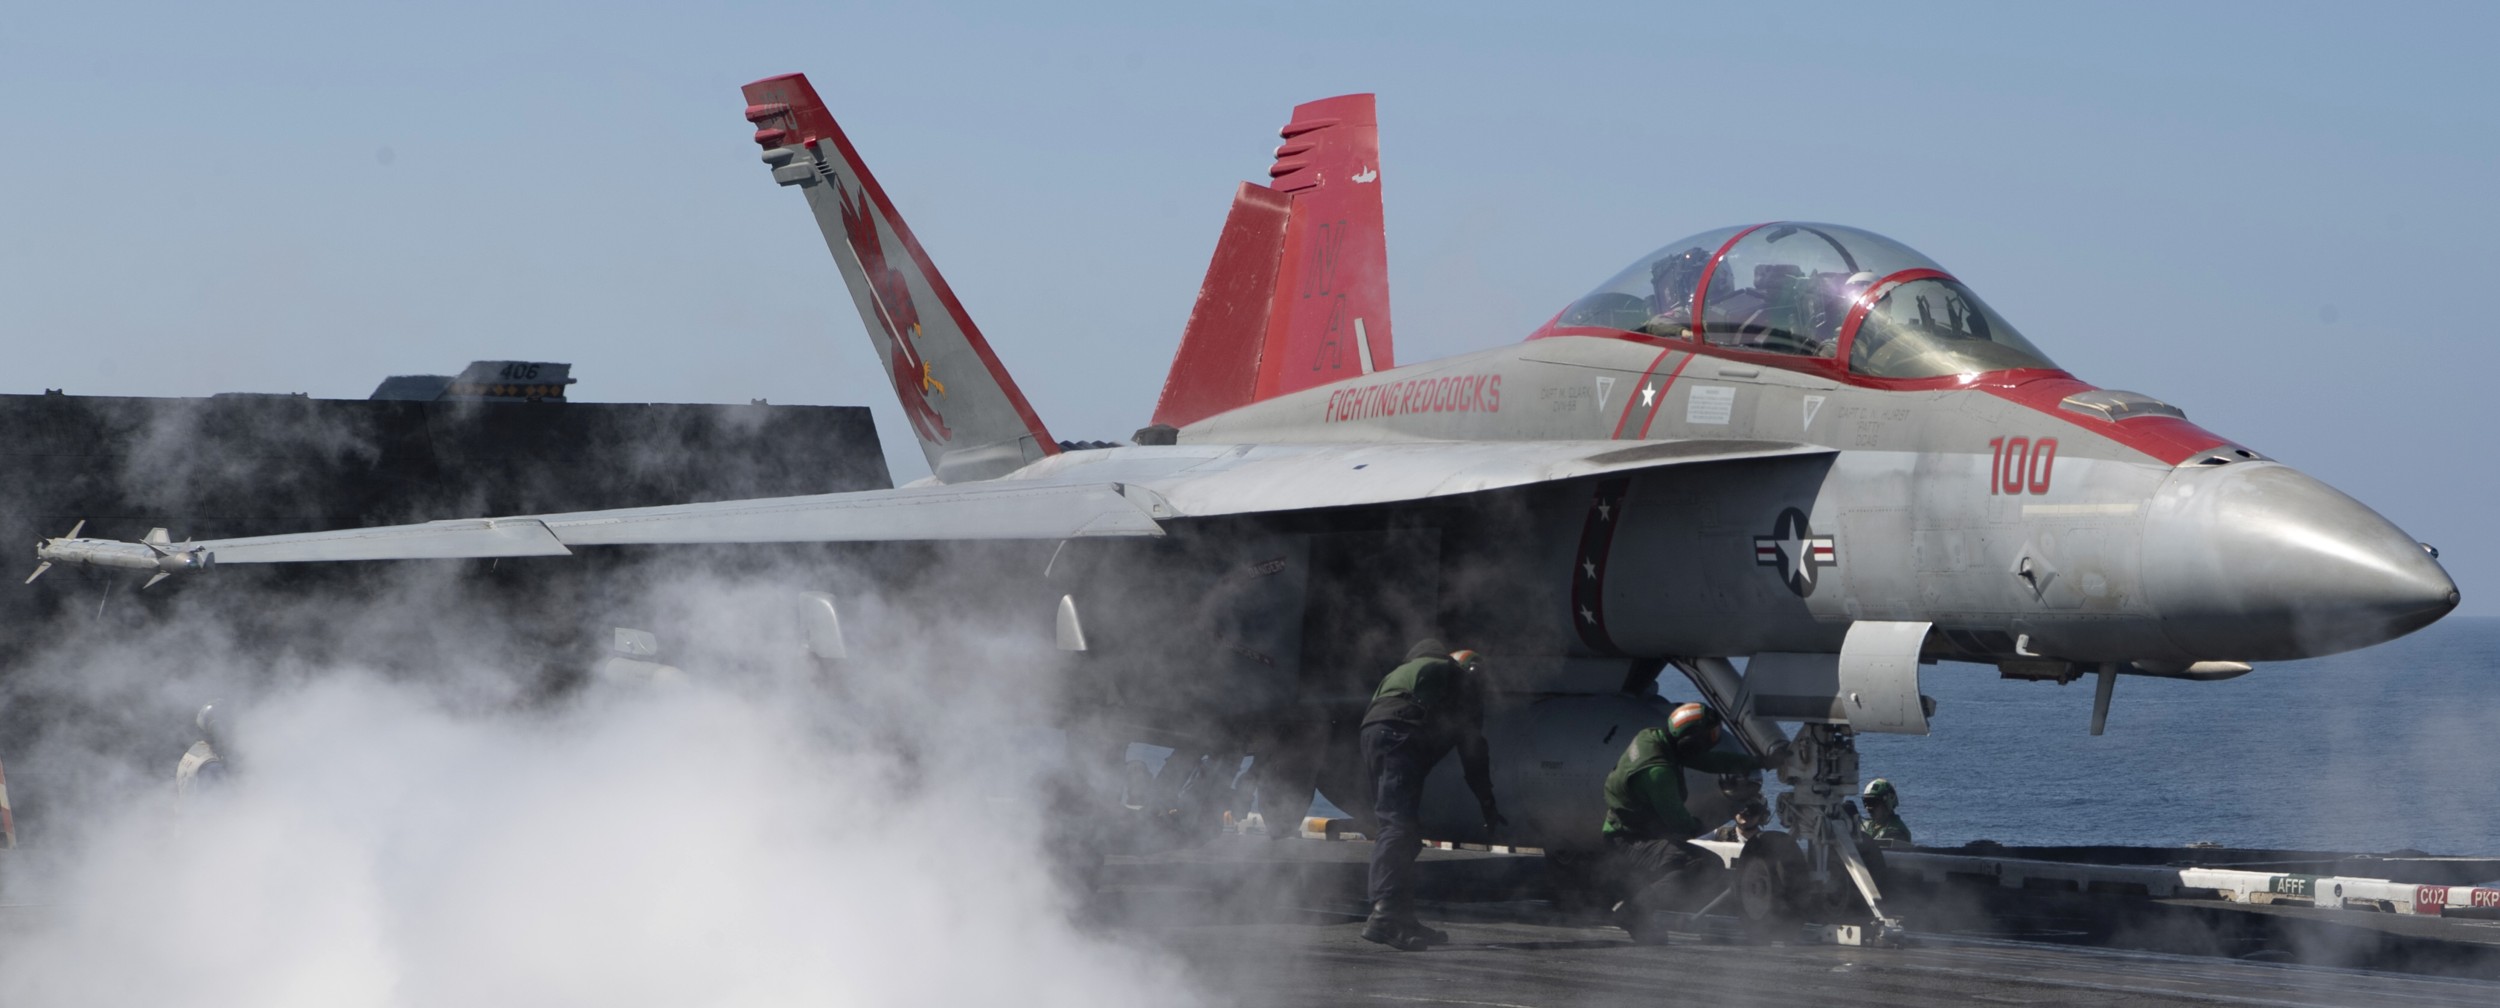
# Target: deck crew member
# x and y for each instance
(1748, 823)
(1883, 815)
(1647, 828)
(1432, 703)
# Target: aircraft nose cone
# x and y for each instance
(2257, 561)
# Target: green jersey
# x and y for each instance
(1887, 828)
(1433, 695)
(1645, 793)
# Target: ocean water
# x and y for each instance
(2387, 748)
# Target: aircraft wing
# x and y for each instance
(973, 511)
(1115, 492)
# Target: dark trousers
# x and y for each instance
(1635, 867)
(1397, 760)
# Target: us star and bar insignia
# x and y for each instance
(1793, 547)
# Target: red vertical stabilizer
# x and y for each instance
(1297, 294)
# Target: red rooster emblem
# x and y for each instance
(913, 378)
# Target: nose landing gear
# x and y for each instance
(1777, 884)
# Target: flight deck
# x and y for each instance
(1258, 921)
(1263, 921)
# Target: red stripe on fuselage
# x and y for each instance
(1662, 393)
(1627, 396)
(1588, 584)
(2168, 440)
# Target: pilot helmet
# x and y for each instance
(1672, 278)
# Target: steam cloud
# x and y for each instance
(413, 821)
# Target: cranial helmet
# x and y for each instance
(1880, 789)
(1426, 648)
(1692, 720)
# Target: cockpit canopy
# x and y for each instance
(1810, 290)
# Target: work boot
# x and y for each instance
(1404, 912)
(1388, 928)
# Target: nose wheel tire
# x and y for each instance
(1768, 874)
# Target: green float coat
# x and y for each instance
(1645, 793)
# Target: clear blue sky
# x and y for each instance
(2278, 216)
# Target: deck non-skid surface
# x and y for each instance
(1262, 923)
(1258, 923)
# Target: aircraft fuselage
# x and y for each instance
(2024, 526)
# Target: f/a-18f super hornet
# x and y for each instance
(1803, 445)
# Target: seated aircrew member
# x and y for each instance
(1750, 819)
(1647, 827)
(1883, 817)
(1423, 709)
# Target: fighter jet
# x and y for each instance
(1803, 446)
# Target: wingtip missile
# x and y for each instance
(42, 563)
(152, 554)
